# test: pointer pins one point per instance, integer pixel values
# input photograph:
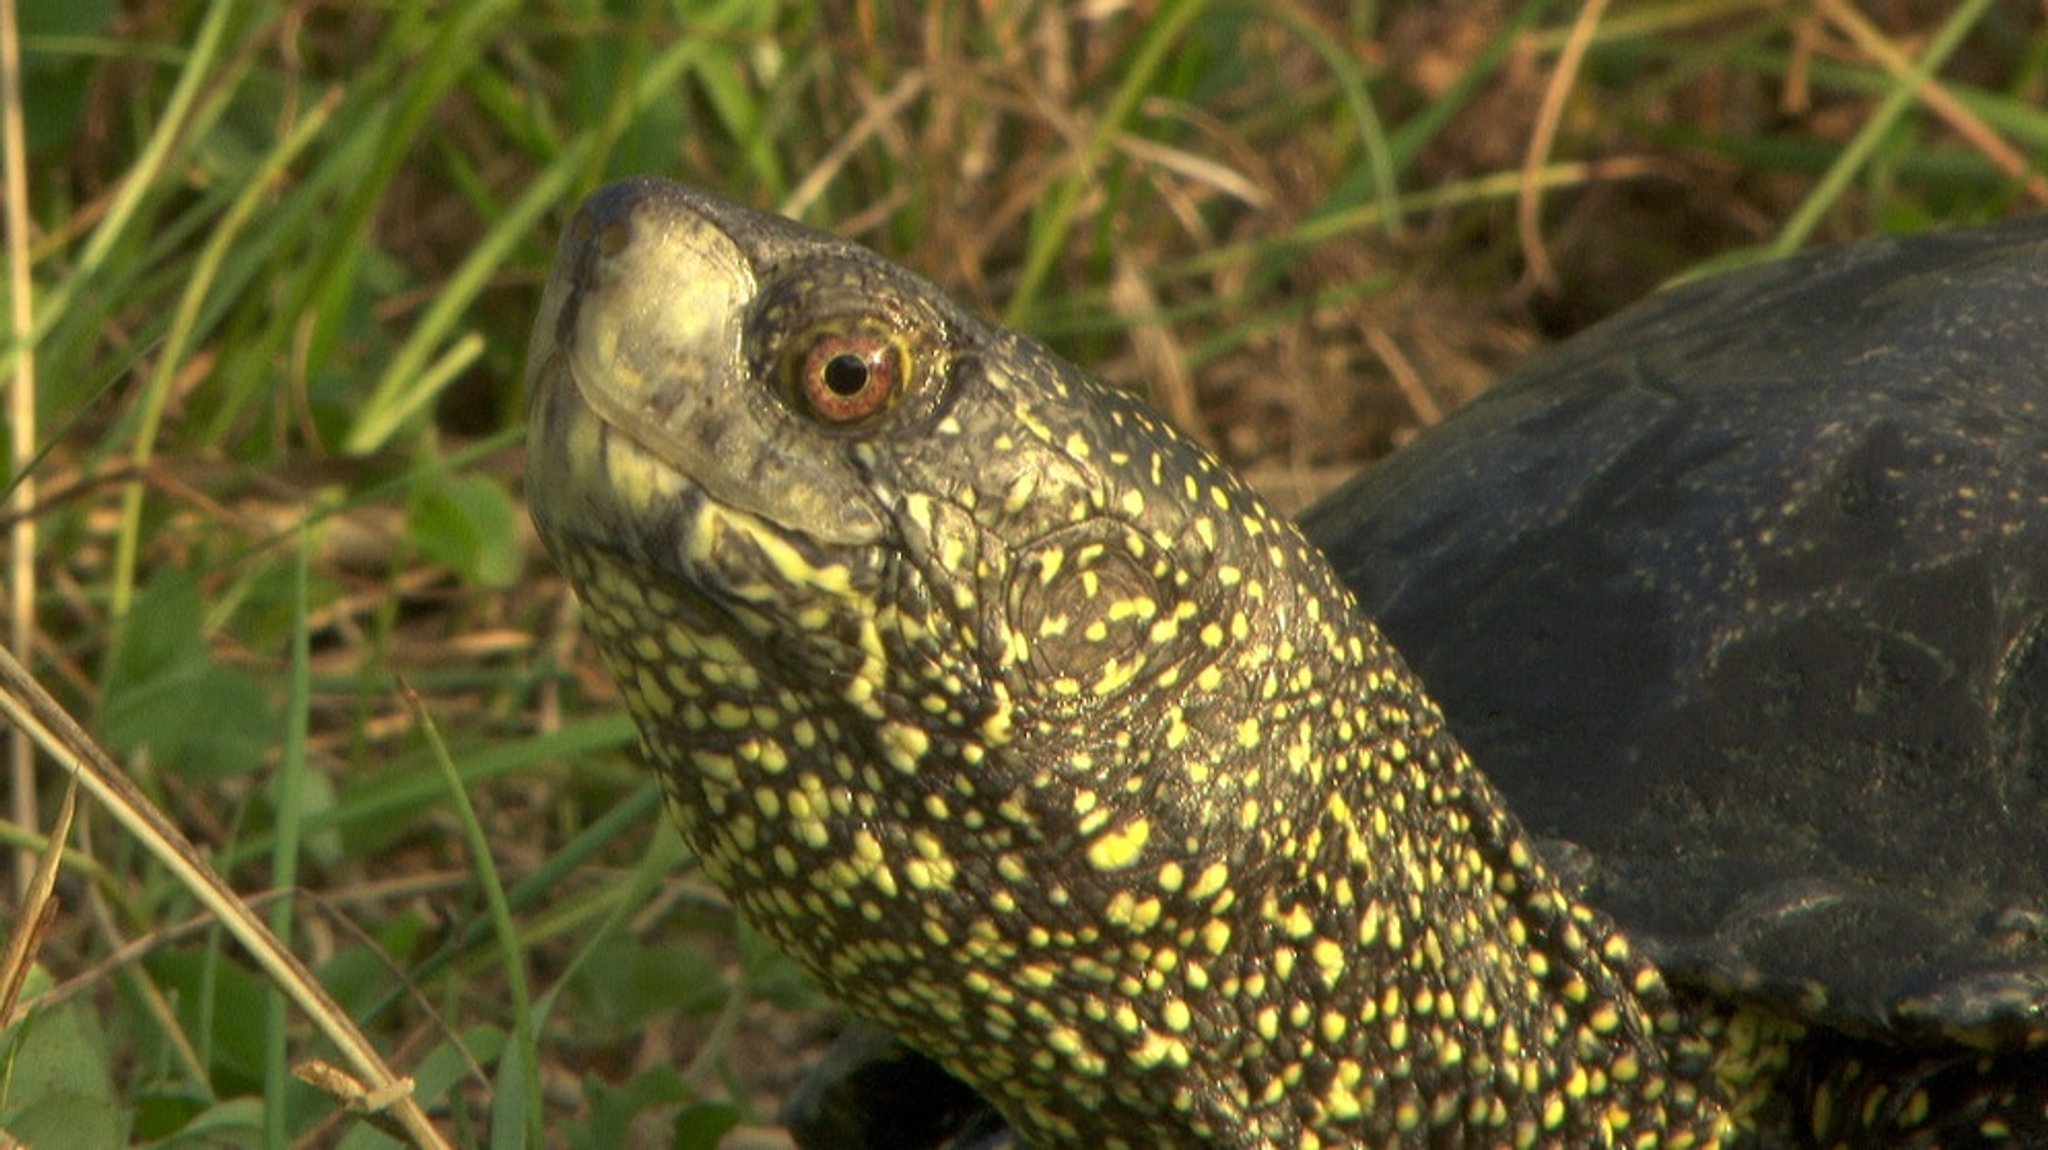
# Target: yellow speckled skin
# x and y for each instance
(1041, 741)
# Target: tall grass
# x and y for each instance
(282, 263)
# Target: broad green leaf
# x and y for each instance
(166, 694)
(469, 523)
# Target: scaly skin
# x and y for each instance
(1036, 736)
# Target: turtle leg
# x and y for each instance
(871, 1092)
(1910, 1100)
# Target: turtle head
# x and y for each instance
(961, 668)
(1003, 707)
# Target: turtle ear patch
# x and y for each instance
(1096, 608)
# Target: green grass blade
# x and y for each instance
(1051, 225)
(511, 952)
(1856, 155)
(284, 865)
(410, 383)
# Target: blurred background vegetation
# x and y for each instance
(282, 257)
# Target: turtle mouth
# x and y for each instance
(668, 563)
(599, 483)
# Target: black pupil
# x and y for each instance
(846, 374)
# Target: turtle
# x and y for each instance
(1049, 747)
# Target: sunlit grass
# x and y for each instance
(283, 261)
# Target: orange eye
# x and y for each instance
(847, 376)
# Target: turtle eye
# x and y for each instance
(847, 376)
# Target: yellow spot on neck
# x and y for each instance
(1119, 847)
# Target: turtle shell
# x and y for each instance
(1742, 597)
